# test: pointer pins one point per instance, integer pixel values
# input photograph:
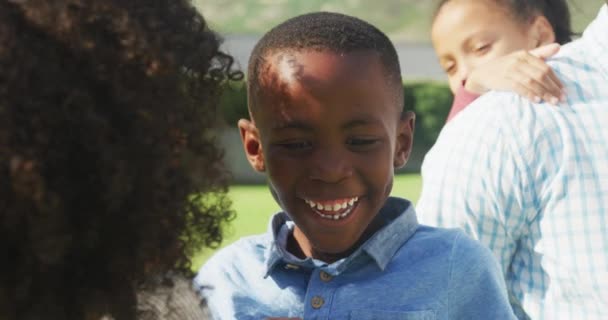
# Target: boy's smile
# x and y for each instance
(333, 209)
(327, 130)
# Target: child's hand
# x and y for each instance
(524, 72)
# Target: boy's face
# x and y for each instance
(327, 131)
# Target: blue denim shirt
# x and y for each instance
(404, 271)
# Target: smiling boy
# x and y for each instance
(327, 127)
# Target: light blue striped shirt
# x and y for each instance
(530, 181)
(404, 271)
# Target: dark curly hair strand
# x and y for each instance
(109, 171)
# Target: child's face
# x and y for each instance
(327, 131)
(468, 33)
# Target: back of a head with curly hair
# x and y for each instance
(109, 172)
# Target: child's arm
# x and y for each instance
(523, 72)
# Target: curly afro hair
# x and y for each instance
(109, 170)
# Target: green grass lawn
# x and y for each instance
(254, 207)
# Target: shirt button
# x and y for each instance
(317, 302)
(325, 277)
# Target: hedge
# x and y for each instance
(430, 101)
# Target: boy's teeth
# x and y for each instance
(333, 206)
(336, 216)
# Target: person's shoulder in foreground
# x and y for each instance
(110, 175)
(529, 181)
(404, 270)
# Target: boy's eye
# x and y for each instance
(295, 145)
(362, 142)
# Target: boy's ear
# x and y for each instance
(250, 137)
(541, 31)
(405, 139)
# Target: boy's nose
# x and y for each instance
(330, 165)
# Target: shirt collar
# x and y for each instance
(400, 223)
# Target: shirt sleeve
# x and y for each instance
(477, 289)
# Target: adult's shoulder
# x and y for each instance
(575, 65)
(503, 109)
(576, 55)
(500, 119)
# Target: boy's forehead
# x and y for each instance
(285, 72)
(313, 67)
(295, 84)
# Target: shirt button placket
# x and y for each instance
(321, 288)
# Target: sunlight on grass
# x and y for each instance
(254, 206)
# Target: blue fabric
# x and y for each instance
(404, 271)
(530, 181)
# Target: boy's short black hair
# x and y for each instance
(322, 31)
